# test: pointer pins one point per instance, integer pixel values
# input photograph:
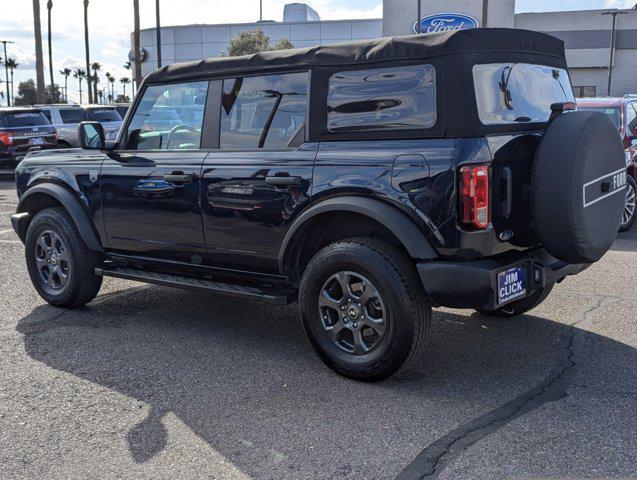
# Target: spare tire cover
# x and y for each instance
(579, 179)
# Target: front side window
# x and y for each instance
(157, 124)
(264, 112)
(394, 98)
(519, 92)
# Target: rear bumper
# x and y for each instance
(474, 284)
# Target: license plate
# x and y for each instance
(511, 284)
(36, 141)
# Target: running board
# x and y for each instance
(272, 294)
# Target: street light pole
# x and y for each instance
(260, 10)
(6, 70)
(611, 55)
(158, 34)
(485, 13)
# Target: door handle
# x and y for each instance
(179, 177)
(283, 181)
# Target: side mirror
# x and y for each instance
(91, 136)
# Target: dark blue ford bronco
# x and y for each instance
(369, 181)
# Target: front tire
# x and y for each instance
(364, 309)
(520, 307)
(630, 207)
(61, 266)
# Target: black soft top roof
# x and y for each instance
(390, 49)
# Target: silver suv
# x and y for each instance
(66, 118)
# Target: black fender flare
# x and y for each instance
(412, 238)
(72, 205)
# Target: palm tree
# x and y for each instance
(108, 82)
(96, 67)
(137, 46)
(39, 62)
(124, 81)
(49, 6)
(95, 80)
(12, 64)
(129, 66)
(80, 75)
(100, 95)
(66, 72)
(112, 82)
(88, 57)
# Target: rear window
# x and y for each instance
(613, 113)
(75, 115)
(24, 119)
(395, 98)
(103, 115)
(519, 92)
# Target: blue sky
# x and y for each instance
(111, 21)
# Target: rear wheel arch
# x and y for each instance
(339, 218)
(47, 195)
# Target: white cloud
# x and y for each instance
(620, 3)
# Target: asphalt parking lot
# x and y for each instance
(148, 382)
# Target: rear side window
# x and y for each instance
(70, 116)
(24, 119)
(103, 115)
(395, 98)
(264, 112)
(157, 124)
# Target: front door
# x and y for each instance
(151, 188)
(259, 179)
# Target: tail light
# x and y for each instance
(6, 138)
(474, 196)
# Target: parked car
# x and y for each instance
(623, 114)
(22, 129)
(66, 118)
(122, 109)
(433, 170)
(108, 117)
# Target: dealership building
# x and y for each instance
(588, 35)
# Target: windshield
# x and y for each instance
(613, 113)
(519, 92)
(103, 115)
(25, 119)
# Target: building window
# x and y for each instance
(393, 98)
(582, 92)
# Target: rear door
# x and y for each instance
(151, 187)
(258, 177)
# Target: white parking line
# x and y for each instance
(10, 241)
(6, 231)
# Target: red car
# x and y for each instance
(623, 112)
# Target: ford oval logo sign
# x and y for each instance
(445, 22)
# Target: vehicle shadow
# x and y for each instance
(243, 378)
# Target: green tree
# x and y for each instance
(27, 94)
(55, 93)
(282, 44)
(255, 41)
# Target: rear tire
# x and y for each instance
(61, 266)
(364, 309)
(520, 307)
(630, 208)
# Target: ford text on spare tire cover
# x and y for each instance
(579, 181)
